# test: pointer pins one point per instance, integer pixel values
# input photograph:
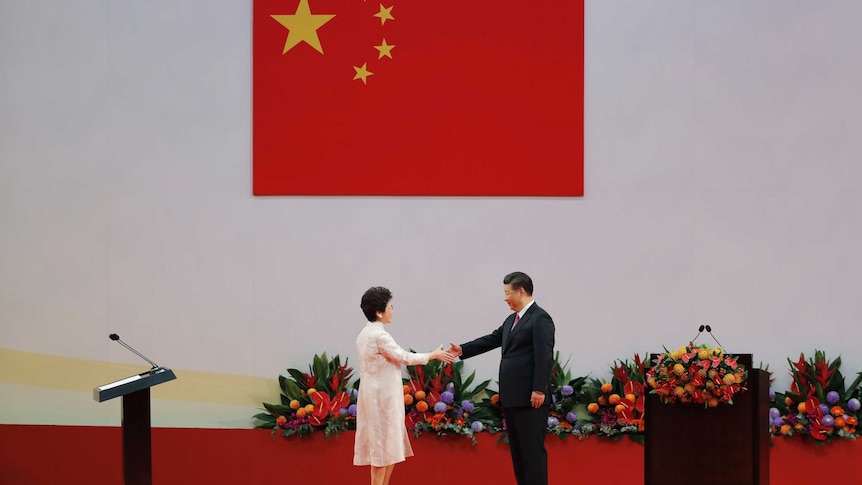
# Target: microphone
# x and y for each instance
(709, 331)
(699, 331)
(116, 337)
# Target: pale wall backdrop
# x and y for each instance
(722, 186)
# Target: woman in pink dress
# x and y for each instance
(381, 435)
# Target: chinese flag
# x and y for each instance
(410, 97)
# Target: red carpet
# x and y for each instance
(72, 455)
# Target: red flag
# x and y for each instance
(398, 97)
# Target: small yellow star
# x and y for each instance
(362, 73)
(385, 50)
(384, 14)
(302, 27)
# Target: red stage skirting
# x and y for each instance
(71, 455)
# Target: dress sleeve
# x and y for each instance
(394, 353)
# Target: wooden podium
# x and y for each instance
(727, 444)
(137, 447)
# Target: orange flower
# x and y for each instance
(280, 420)
(311, 390)
(852, 420)
(406, 389)
(614, 399)
(593, 407)
(788, 401)
(837, 410)
(408, 399)
(619, 408)
(421, 406)
(294, 404)
(606, 387)
(801, 407)
(301, 412)
(785, 429)
(495, 399)
(840, 422)
(420, 395)
(602, 400)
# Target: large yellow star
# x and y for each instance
(384, 14)
(362, 73)
(385, 50)
(302, 27)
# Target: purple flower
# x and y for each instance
(467, 406)
(447, 397)
(571, 417)
(450, 387)
(827, 420)
(576, 428)
(824, 408)
(552, 421)
(832, 397)
(440, 407)
(772, 394)
(774, 412)
(567, 390)
(777, 421)
(477, 426)
(609, 417)
(343, 411)
(351, 410)
(352, 393)
(853, 404)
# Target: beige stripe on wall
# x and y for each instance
(28, 368)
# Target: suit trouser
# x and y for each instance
(526, 428)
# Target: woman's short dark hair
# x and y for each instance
(519, 280)
(375, 300)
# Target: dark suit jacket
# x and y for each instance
(527, 355)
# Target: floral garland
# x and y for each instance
(697, 374)
(817, 405)
(437, 398)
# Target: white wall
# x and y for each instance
(722, 187)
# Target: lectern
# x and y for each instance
(729, 444)
(137, 444)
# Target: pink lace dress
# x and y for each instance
(381, 436)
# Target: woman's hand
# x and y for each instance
(442, 355)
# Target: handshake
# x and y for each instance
(448, 355)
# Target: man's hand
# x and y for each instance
(442, 355)
(537, 399)
(454, 349)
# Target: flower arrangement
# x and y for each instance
(566, 400)
(616, 408)
(697, 374)
(437, 398)
(817, 405)
(318, 399)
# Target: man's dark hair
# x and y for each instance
(374, 300)
(519, 280)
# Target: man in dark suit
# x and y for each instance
(527, 342)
